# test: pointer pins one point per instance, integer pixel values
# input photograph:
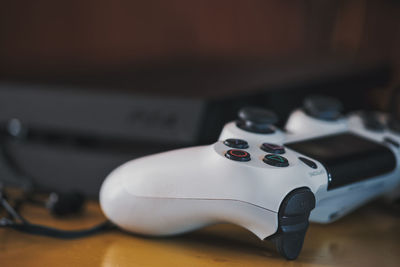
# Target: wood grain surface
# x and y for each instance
(368, 237)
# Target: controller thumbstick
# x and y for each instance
(323, 107)
(394, 124)
(256, 120)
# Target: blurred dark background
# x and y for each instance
(55, 37)
(233, 51)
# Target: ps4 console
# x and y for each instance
(78, 127)
(269, 181)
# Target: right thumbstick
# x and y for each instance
(323, 107)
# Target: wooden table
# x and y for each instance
(368, 237)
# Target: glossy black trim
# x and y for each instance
(348, 158)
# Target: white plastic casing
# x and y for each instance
(181, 190)
(301, 124)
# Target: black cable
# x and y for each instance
(19, 223)
(16, 221)
(11, 211)
(12, 164)
(36, 229)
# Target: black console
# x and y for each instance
(79, 127)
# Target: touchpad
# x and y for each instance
(348, 158)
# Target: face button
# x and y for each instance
(276, 160)
(238, 155)
(308, 162)
(256, 120)
(272, 148)
(236, 143)
(391, 141)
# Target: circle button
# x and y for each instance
(276, 160)
(236, 143)
(238, 155)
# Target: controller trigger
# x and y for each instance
(293, 222)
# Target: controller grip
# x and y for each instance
(293, 222)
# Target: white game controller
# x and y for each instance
(260, 177)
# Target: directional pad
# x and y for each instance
(276, 160)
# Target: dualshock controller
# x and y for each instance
(269, 181)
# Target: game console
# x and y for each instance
(80, 125)
(269, 181)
